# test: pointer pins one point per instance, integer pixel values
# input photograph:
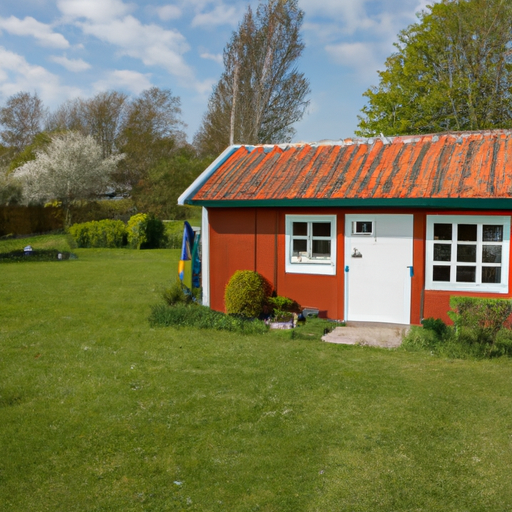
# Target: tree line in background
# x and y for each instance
(452, 71)
(91, 148)
(136, 147)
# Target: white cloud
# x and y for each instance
(220, 15)
(16, 74)
(126, 79)
(352, 16)
(349, 14)
(356, 35)
(152, 44)
(30, 27)
(169, 12)
(73, 65)
(94, 10)
(217, 57)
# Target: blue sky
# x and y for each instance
(62, 49)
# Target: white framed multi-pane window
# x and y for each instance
(311, 244)
(467, 253)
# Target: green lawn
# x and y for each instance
(100, 412)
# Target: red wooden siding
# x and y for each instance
(254, 239)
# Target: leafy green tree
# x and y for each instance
(157, 193)
(260, 94)
(452, 71)
(41, 141)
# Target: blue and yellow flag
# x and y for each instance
(185, 264)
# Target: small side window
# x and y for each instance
(362, 227)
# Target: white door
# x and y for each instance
(378, 268)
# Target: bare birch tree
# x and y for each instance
(260, 94)
(21, 119)
(102, 116)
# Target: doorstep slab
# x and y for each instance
(368, 334)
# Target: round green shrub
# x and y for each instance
(246, 294)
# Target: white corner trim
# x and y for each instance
(207, 173)
(205, 263)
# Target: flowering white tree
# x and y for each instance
(71, 168)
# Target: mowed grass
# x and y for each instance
(99, 412)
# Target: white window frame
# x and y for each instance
(362, 233)
(477, 286)
(311, 267)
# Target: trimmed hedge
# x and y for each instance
(142, 232)
(102, 233)
(483, 316)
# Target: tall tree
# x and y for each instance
(71, 168)
(260, 94)
(152, 131)
(21, 119)
(452, 71)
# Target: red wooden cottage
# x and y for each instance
(383, 229)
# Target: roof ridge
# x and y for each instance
(395, 139)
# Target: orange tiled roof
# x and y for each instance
(465, 165)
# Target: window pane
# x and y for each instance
(491, 274)
(300, 246)
(321, 229)
(442, 252)
(441, 273)
(300, 229)
(466, 253)
(442, 231)
(466, 233)
(363, 227)
(466, 274)
(491, 254)
(321, 248)
(492, 233)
